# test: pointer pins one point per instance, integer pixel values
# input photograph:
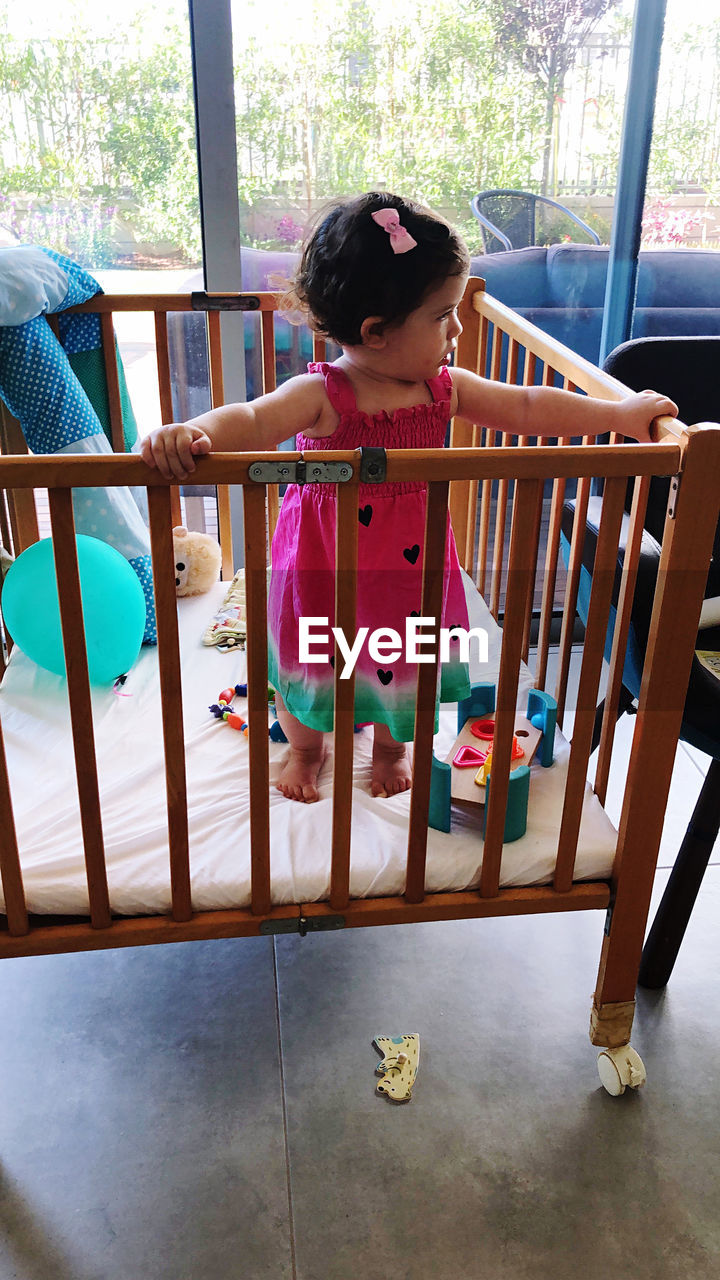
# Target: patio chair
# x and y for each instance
(511, 218)
(686, 370)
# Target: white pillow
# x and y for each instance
(31, 283)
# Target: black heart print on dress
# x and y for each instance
(365, 515)
(385, 676)
(412, 553)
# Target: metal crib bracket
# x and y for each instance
(672, 500)
(373, 465)
(301, 472)
(224, 302)
(302, 925)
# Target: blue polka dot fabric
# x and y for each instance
(143, 568)
(79, 333)
(41, 390)
(81, 285)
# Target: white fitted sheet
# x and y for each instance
(35, 720)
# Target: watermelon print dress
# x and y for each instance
(390, 540)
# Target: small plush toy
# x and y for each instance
(197, 561)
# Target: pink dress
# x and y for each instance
(390, 539)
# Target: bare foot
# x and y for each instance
(391, 772)
(299, 774)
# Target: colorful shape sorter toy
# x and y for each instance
(464, 777)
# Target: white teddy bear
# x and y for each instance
(197, 561)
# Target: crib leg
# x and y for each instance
(611, 1024)
(619, 1066)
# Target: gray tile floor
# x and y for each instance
(207, 1110)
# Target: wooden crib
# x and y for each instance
(497, 491)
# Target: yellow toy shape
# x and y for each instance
(401, 1055)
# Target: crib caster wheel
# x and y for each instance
(619, 1068)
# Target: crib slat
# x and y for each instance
(225, 532)
(549, 581)
(217, 383)
(5, 520)
(269, 383)
(431, 607)
(5, 637)
(163, 367)
(471, 547)
(163, 564)
(620, 634)
(529, 368)
(548, 380)
(550, 571)
(471, 354)
(346, 544)
(107, 333)
(482, 345)
(217, 397)
(598, 612)
(254, 503)
(23, 520)
(267, 347)
(78, 682)
(572, 584)
(162, 357)
(487, 485)
(21, 508)
(319, 348)
(503, 488)
(10, 871)
(521, 568)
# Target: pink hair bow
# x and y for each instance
(400, 239)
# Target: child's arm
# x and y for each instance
(259, 425)
(549, 412)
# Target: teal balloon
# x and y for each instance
(113, 608)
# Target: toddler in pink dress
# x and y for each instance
(390, 539)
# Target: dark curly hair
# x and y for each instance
(348, 269)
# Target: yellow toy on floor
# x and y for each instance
(401, 1056)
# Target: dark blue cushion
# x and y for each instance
(676, 322)
(678, 278)
(577, 274)
(518, 278)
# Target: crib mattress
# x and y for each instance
(128, 736)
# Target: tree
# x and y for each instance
(544, 38)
